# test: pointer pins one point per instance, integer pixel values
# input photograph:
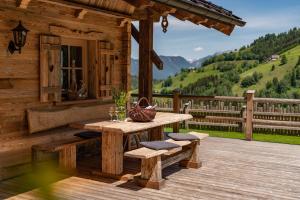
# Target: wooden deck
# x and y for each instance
(232, 169)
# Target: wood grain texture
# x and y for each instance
(45, 119)
(232, 170)
(23, 70)
(129, 126)
(112, 153)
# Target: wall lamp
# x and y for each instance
(20, 34)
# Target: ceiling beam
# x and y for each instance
(23, 3)
(183, 15)
(163, 10)
(79, 6)
(140, 4)
(80, 13)
(155, 58)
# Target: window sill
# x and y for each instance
(79, 102)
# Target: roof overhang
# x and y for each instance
(196, 11)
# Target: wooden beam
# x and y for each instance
(140, 4)
(80, 13)
(145, 61)
(163, 10)
(122, 22)
(87, 8)
(183, 15)
(155, 58)
(23, 3)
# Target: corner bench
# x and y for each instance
(153, 161)
(50, 121)
(66, 149)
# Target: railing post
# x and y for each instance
(249, 114)
(243, 116)
(186, 110)
(176, 108)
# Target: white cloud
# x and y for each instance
(198, 49)
(287, 19)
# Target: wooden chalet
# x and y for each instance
(68, 55)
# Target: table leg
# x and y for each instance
(112, 153)
(156, 133)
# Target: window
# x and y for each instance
(73, 68)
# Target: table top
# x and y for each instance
(130, 126)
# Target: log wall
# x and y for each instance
(20, 73)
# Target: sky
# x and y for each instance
(193, 42)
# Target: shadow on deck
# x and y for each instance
(232, 169)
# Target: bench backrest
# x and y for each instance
(45, 119)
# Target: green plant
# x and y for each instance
(273, 68)
(283, 60)
(120, 98)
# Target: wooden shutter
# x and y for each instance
(50, 72)
(107, 62)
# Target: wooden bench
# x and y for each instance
(43, 121)
(67, 150)
(153, 161)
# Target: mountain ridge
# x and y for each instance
(172, 66)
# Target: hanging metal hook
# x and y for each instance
(164, 23)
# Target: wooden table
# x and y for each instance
(113, 132)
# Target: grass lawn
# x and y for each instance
(285, 139)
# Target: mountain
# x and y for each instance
(172, 65)
(198, 62)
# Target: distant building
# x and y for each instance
(274, 57)
(192, 69)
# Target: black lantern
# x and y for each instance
(20, 34)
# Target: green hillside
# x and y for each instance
(250, 67)
(244, 68)
(188, 77)
(280, 71)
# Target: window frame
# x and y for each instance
(83, 44)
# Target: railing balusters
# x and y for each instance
(226, 113)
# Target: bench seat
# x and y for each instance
(153, 161)
(67, 150)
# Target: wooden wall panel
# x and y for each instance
(23, 71)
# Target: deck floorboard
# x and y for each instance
(232, 169)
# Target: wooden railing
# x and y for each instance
(243, 114)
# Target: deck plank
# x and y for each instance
(232, 169)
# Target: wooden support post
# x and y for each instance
(145, 59)
(156, 134)
(112, 153)
(194, 160)
(155, 58)
(67, 158)
(176, 108)
(151, 173)
(249, 114)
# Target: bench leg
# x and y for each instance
(67, 158)
(151, 173)
(194, 160)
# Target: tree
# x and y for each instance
(298, 63)
(293, 79)
(273, 68)
(298, 73)
(168, 82)
(283, 60)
